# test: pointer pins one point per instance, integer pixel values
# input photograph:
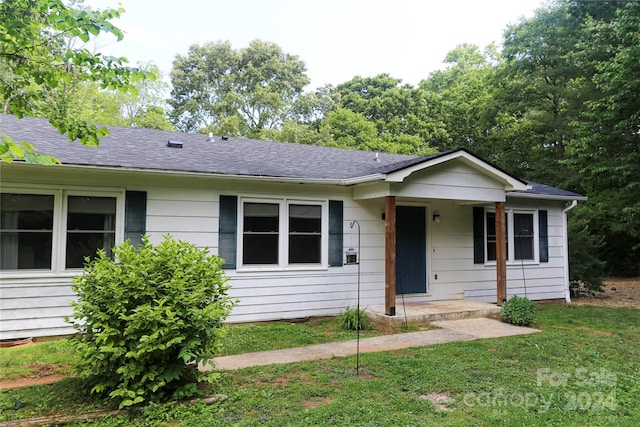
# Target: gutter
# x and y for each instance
(545, 197)
(565, 232)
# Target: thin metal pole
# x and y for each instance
(358, 303)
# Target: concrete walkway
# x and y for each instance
(451, 330)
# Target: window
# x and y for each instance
(26, 231)
(491, 235)
(90, 226)
(56, 229)
(278, 233)
(521, 227)
(305, 234)
(261, 233)
(523, 236)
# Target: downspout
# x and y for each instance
(565, 232)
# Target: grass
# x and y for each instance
(45, 358)
(581, 370)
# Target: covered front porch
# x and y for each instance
(434, 241)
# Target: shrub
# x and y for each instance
(147, 318)
(354, 320)
(519, 311)
(586, 267)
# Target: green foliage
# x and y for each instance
(38, 58)
(354, 320)
(519, 311)
(586, 267)
(237, 91)
(602, 342)
(147, 318)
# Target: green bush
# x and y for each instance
(585, 264)
(147, 318)
(352, 320)
(519, 311)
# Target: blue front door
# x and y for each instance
(411, 250)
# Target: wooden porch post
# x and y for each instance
(501, 253)
(390, 255)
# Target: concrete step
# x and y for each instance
(420, 313)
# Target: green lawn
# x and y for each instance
(582, 370)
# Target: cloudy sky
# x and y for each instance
(337, 39)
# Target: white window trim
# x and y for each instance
(119, 231)
(283, 235)
(511, 256)
(59, 243)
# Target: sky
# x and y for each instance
(337, 39)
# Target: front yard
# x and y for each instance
(581, 370)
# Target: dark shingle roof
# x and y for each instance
(146, 149)
(547, 190)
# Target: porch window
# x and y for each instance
(520, 231)
(90, 226)
(26, 231)
(523, 236)
(491, 235)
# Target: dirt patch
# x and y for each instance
(39, 373)
(317, 402)
(439, 400)
(618, 292)
(29, 381)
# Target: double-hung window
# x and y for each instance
(91, 225)
(521, 227)
(56, 230)
(26, 231)
(280, 233)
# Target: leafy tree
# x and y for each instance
(238, 91)
(37, 57)
(349, 129)
(460, 97)
(567, 114)
(400, 113)
(606, 150)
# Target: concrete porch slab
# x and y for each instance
(433, 311)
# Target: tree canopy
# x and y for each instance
(39, 56)
(236, 92)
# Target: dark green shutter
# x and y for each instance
(478, 235)
(335, 232)
(543, 236)
(227, 235)
(135, 216)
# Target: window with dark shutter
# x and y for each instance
(227, 236)
(335, 232)
(478, 235)
(543, 236)
(135, 216)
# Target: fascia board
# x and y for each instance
(185, 173)
(546, 197)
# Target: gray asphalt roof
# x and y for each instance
(147, 149)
